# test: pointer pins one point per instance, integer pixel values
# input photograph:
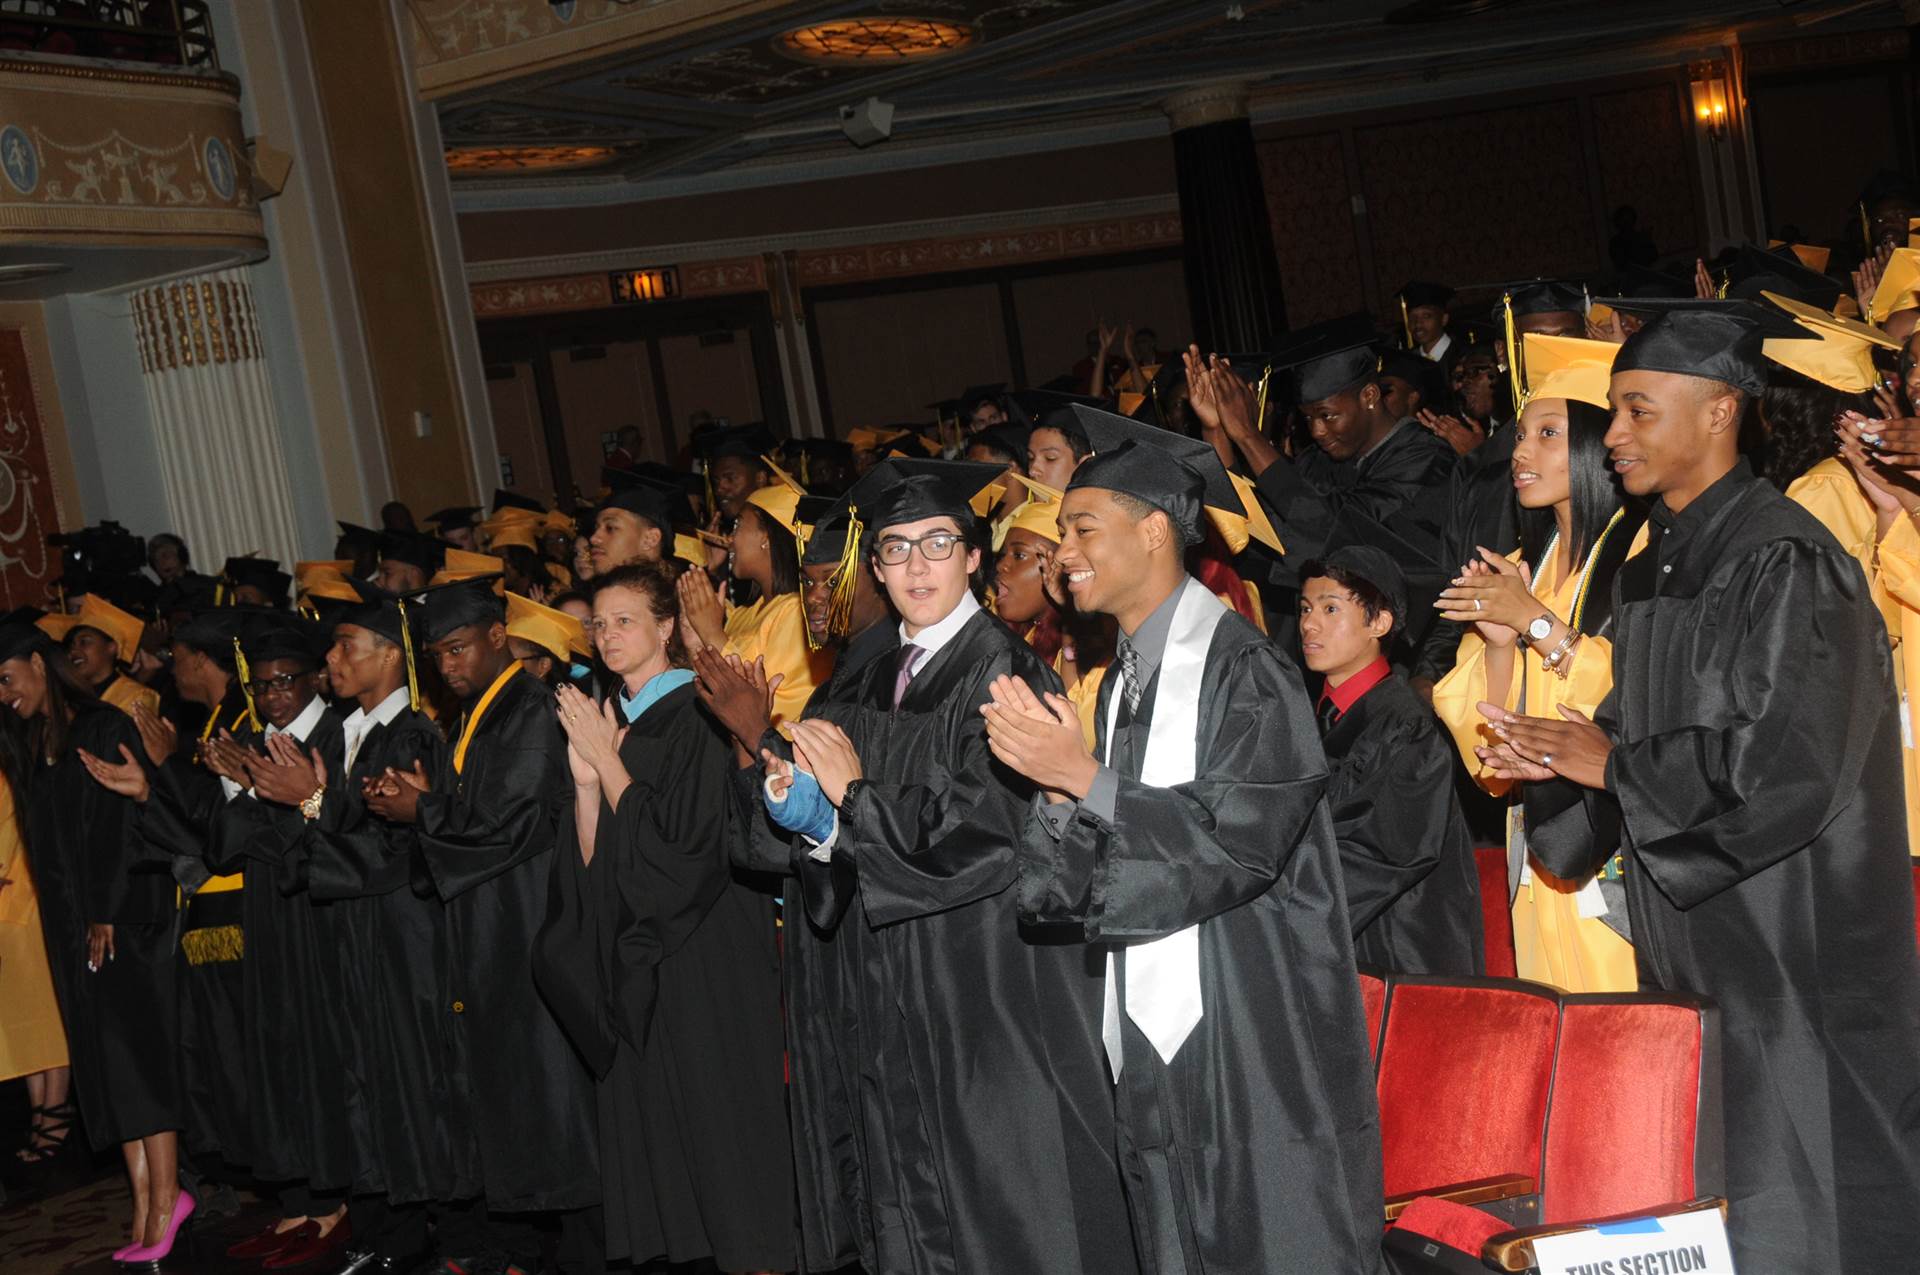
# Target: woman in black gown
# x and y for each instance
(108, 920)
(660, 965)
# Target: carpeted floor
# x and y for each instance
(73, 1232)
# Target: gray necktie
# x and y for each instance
(903, 671)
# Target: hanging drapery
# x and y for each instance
(215, 426)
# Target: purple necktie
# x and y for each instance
(903, 671)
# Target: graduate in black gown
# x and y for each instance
(486, 825)
(1201, 859)
(1747, 762)
(108, 919)
(1413, 893)
(661, 964)
(820, 966)
(985, 1120)
(386, 940)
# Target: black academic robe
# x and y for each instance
(1257, 1150)
(821, 980)
(522, 1100)
(985, 1116)
(1413, 893)
(123, 1021)
(1480, 513)
(661, 966)
(1754, 788)
(1394, 498)
(174, 826)
(387, 944)
(296, 1102)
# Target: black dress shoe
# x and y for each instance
(363, 1263)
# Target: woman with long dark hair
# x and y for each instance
(1538, 623)
(659, 964)
(108, 919)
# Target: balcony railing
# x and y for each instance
(160, 32)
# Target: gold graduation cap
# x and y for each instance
(523, 534)
(1840, 354)
(461, 565)
(551, 630)
(1899, 285)
(779, 499)
(122, 629)
(1235, 529)
(1040, 513)
(1812, 256)
(1568, 367)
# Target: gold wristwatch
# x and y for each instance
(310, 808)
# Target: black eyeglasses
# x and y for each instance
(936, 546)
(280, 682)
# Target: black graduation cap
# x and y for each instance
(945, 409)
(462, 515)
(662, 503)
(1642, 281)
(134, 594)
(446, 607)
(815, 449)
(1887, 183)
(24, 615)
(1713, 339)
(826, 539)
(211, 632)
(974, 395)
(356, 537)
(1414, 368)
(192, 592)
(1323, 372)
(1163, 480)
(1540, 296)
(1374, 565)
(750, 442)
(1108, 432)
(1416, 293)
(263, 574)
(1756, 270)
(414, 549)
(905, 489)
(1033, 408)
(504, 499)
(282, 635)
(377, 611)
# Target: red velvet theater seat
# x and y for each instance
(1463, 1077)
(1496, 911)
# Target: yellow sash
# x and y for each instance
(234, 880)
(479, 711)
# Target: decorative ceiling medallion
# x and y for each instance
(469, 160)
(874, 41)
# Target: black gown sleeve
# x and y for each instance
(111, 838)
(1390, 800)
(505, 812)
(1176, 856)
(348, 853)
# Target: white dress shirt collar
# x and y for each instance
(942, 631)
(302, 726)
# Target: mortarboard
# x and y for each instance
(1755, 270)
(1327, 372)
(555, 632)
(974, 395)
(1040, 512)
(1417, 294)
(457, 516)
(1414, 368)
(1228, 503)
(357, 537)
(1159, 478)
(390, 616)
(1568, 367)
(96, 613)
(1720, 340)
(779, 498)
(1372, 564)
(282, 635)
(414, 549)
(1840, 356)
(504, 499)
(263, 574)
(748, 442)
(445, 607)
(462, 565)
(524, 534)
(19, 639)
(1812, 256)
(1540, 296)
(659, 503)
(211, 632)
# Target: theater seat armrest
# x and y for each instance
(1506, 1186)
(1513, 1250)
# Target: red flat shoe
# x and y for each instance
(267, 1241)
(312, 1246)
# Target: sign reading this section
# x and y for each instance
(1683, 1244)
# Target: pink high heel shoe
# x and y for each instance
(182, 1210)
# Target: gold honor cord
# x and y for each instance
(479, 711)
(1586, 572)
(406, 653)
(246, 689)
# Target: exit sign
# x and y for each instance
(655, 283)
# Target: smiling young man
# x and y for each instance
(486, 825)
(908, 860)
(1747, 763)
(1194, 846)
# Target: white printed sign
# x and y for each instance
(1683, 1244)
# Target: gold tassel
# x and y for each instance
(840, 609)
(214, 945)
(246, 691)
(1260, 415)
(1514, 377)
(406, 653)
(220, 592)
(1726, 281)
(1406, 321)
(1866, 229)
(706, 474)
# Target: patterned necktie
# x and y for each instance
(1130, 677)
(903, 671)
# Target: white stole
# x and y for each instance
(1163, 976)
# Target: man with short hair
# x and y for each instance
(972, 1044)
(1199, 854)
(1746, 766)
(633, 524)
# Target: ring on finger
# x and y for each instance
(1478, 605)
(1546, 759)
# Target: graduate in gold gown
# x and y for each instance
(1537, 635)
(101, 642)
(33, 1043)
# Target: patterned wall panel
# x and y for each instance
(1310, 204)
(1646, 161)
(28, 513)
(1448, 197)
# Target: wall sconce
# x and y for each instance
(1710, 101)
